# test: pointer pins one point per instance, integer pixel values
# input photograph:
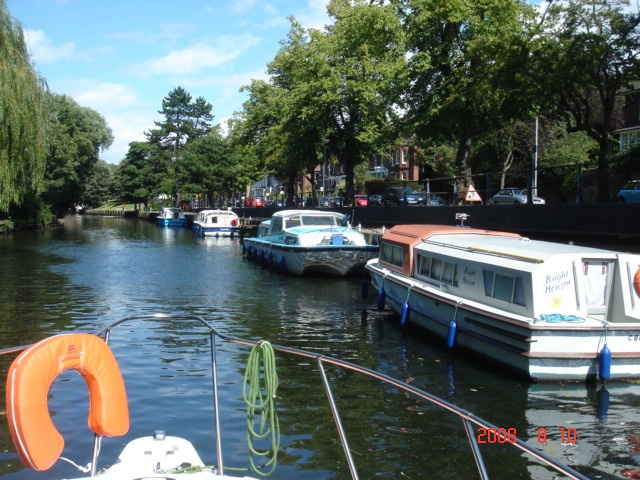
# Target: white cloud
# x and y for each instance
(43, 51)
(127, 127)
(105, 96)
(200, 56)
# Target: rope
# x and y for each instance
(79, 467)
(559, 318)
(259, 390)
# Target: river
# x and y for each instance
(96, 270)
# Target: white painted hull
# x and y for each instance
(336, 260)
(216, 231)
(538, 350)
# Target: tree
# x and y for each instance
(99, 185)
(141, 174)
(77, 135)
(23, 117)
(184, 121)
(589, 51)
(463, 77)
(207, 167)
(342, 87)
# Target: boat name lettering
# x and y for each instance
(634, 338)
(469, 272)
(556, 282)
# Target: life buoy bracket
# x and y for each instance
(36, 438)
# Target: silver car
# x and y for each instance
(514, 196)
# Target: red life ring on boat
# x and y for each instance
(636, 282)
(37, 440)
(234, 222)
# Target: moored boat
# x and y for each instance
(547, 310)
(216, 223)
(39, 443)
(311, 241)
(172, 217)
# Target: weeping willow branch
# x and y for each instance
(23, 116)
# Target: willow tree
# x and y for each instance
(23, 116)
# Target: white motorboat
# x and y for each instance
(216, 223)
(159, 456)
(311, 241)
(548, 310)
(172, 217)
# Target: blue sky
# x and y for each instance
(121, 58)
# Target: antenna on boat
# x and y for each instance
(462, 217)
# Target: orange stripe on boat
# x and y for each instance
(37, 440)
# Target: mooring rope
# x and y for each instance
(259, 390)
(559, 318)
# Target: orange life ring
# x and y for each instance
(636, 282)
(37, 440)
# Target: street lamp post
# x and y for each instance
(324, 168)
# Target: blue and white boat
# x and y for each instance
(311, 241)
(547, 310)
(216, 223)
(171, 217)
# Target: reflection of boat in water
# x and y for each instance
(310, 241)
(595, 428)
(172, 217)
(216, 223)
(160, 456)
(547, 310)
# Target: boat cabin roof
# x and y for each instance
(503, 247)
(287, 219)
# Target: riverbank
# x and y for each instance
(610, 222)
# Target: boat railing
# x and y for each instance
(468, 419)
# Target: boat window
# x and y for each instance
(290, 240)
(293, 222)
(391, 254)
(437, 269)
(318, 220)
(276, 225)
(504, 287)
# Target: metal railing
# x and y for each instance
(468, 419)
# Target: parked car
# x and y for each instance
(323, 201)
(630, 193)
(361, 201)
(431, 199)
(400, 196)
(336, 201)
(513, 196)
(254, 202)
(375, 200)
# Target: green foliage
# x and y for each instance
(23, 117)
(98, 187)
(77, 135)
(585, 52)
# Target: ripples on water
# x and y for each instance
(97, 270)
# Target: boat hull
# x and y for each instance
(539, 351)
(170, 222)
(216, 231)
(335, 260)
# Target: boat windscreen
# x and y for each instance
(319, 220)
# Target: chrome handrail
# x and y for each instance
(468, 419)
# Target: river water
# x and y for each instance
(96, 270)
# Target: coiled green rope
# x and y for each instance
(259, 391)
